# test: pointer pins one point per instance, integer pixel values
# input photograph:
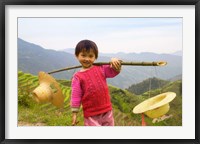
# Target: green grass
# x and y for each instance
(37, 114)
(123, 103)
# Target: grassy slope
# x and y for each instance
(123, 103)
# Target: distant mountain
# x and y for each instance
(147, 85)
(69, 50)
(137, 74)
(178, 53)
(33, 58)
(175, 78)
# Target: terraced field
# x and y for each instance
(32, 113)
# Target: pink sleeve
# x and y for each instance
(76, 93)
(109, 72)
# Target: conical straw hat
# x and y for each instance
(48, 90)
(156, 106)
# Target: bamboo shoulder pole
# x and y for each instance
(159, 63)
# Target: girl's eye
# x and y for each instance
(91, 56)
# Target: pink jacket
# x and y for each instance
(90, 89)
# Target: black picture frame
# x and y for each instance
(3, 5)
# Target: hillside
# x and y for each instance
(123, 103)
(33, 58)
(146, 85)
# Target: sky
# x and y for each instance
(112, 35)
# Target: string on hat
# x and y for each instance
(150, 87)
(159, 82)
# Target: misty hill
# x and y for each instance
(33, 58)
(146, 85)
(175, 78)
(178, 53)
(69, 50)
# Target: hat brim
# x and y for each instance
(154, 102)
(57, 96)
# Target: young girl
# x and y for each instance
(89, 87)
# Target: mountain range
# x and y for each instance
(33, 58)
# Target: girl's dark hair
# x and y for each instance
(86, 45)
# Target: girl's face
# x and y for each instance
(86, 58)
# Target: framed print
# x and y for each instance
(151, 95)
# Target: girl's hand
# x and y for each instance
(116, 64)
(74, 117)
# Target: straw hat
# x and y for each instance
(48, 90)
(156, 106)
